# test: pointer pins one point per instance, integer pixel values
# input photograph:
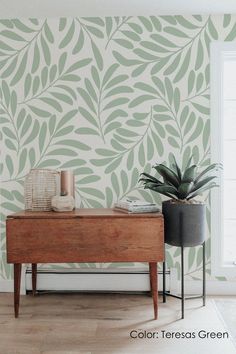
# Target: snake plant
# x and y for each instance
(180, 185)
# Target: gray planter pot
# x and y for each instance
(184, 224)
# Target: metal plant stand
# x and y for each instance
(182, 296)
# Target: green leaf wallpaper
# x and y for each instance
(105, 97)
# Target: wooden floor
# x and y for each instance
(101, 323)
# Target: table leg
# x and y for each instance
(17, 278)
(34, 278)
(153, 278)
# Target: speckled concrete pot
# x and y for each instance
(184, 223)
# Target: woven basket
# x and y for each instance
(40, 187)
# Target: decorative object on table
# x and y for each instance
(67, 183)
(135, 206)
(62, 203)
(39, 188)
(184, 217)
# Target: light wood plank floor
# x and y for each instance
(101, 324)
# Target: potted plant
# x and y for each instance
(184, 216)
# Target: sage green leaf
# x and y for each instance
(112, 166)
(73, 163)
(141, 155)
(88, 179)
(68, 37)
(116, 145)
(26, 125)
(169, 89)
(146, 23)
(79, 64)
(232, 34)
(163, 40)
(46, 51)
(62, 152)
(20, 118)
(146, 87)
(39, 112)
(171, 130)
(90, 89)
(49, 163)
(22, 161)
(176, 99)
(139, 100)
(156, 23)
(154, 47)
(126, 62)
(42, 136)
(9, 70)
(48, 33)
(44, 76)
(32, 157)
(95, 76)
(62, 23)
(88, 116)
(92, 191)
(105, 152)
(20, 71)
(169, 19)
(108, 24)
(61, 97)
(115, 184)
(202, 109)
(12, 35)
(64, 131)
(199, 83)
(97, 55)
(226, 20)
(175, 32)
(159, 145)
(190, 123)
(27, 84)
(185, 23)
(173, 142)
(184, 115)
(172, 67)
(10, 145)
(212, 30)
(191, 256)
(9, 164)
(13, 103)
(9, 133)
(124, 43)
(22, 27)
(86, 131)
(199, 57)
(36, 58)
(130, 160)
(184, 67)
(116, 102)
(191, 81)
(66, 118)
(86, 97)
(34, 133)
(74, 144)
(79, 44)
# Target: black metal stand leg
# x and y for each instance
(204, 273)
(182, 281)
(164, 282)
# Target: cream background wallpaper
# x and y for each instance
(106, 97)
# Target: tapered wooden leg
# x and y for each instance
(34, 278)
(150, 279)
(153, 278)
(17, 278)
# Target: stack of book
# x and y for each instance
(135, 206)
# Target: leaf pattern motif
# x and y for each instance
(107, 98)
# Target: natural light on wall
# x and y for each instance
(223, 121)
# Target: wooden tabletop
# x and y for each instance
(80, 213)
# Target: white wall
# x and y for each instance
(56, 8)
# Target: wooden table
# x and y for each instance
(83, 235)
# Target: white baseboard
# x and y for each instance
(93, 280)
(113, 280)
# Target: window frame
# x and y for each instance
(217, 48)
